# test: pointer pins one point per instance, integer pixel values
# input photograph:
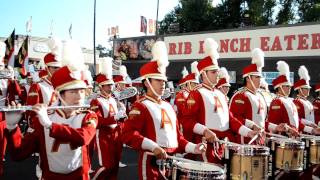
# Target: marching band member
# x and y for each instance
(247, 104)
(152, 124)
(316, 105)
(282, 108)
(109, 145)
(182, 94)
(223, 84)
(60, 137)
(120, 84)
(304, 106)
(190, 81)
(207, 109)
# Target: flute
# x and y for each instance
(28, 108)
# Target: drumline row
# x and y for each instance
(243, 161)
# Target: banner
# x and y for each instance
(9, 57)
(22, 58)
(143, 24)
(299, 40)
(134, 48)
(151, 26)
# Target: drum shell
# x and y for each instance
(314, 151)
(289, 155)
(249, 162)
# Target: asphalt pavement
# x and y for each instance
(26, 169)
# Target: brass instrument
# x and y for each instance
(6, 74)
(126, 93)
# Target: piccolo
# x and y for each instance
(28, 108)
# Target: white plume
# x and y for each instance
(303, 73)
(123, 71)
(87, 75)
(184, 72)
(223, 73)
(159, 53)
(211, 49)
(55, 46)
(258, 57)
(283, 69)
(2, 50)
(194, 68)
(72, 56)
(105, 67)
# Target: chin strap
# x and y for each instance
(303, 95)
(253, 86)
(284, 92)
(153, 91)
(206, 77)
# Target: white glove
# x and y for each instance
(12, 119)
(42, 113)
(120, 114)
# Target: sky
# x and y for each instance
(123, 13)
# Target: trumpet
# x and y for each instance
(28, 108)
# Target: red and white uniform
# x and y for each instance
(153, 123)
(249, 107)
(316, 106)
(283, 110)
(207, 108)
(180, 101)
(41, 92)
(305, 110)
(63, 148)
(108, 143)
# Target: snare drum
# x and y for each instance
(289, 154)
(194, 171)
(314, 151)
(249, 162)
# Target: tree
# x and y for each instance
(309, 10)
(286, 13)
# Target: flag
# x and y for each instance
(29, 25)
(51, 28)
(9, 57)
(151, 26)
(143, 25)
(22, 57)
(70, 31)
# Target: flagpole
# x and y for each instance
(157, 18)
(94, 39)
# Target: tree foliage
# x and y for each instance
(200, 15)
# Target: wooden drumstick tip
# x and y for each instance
(201, 147)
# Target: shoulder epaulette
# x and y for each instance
(275, 107)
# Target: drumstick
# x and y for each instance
(277, 135)
(256, 136)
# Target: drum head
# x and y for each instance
(200, 167)
(250, 150)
